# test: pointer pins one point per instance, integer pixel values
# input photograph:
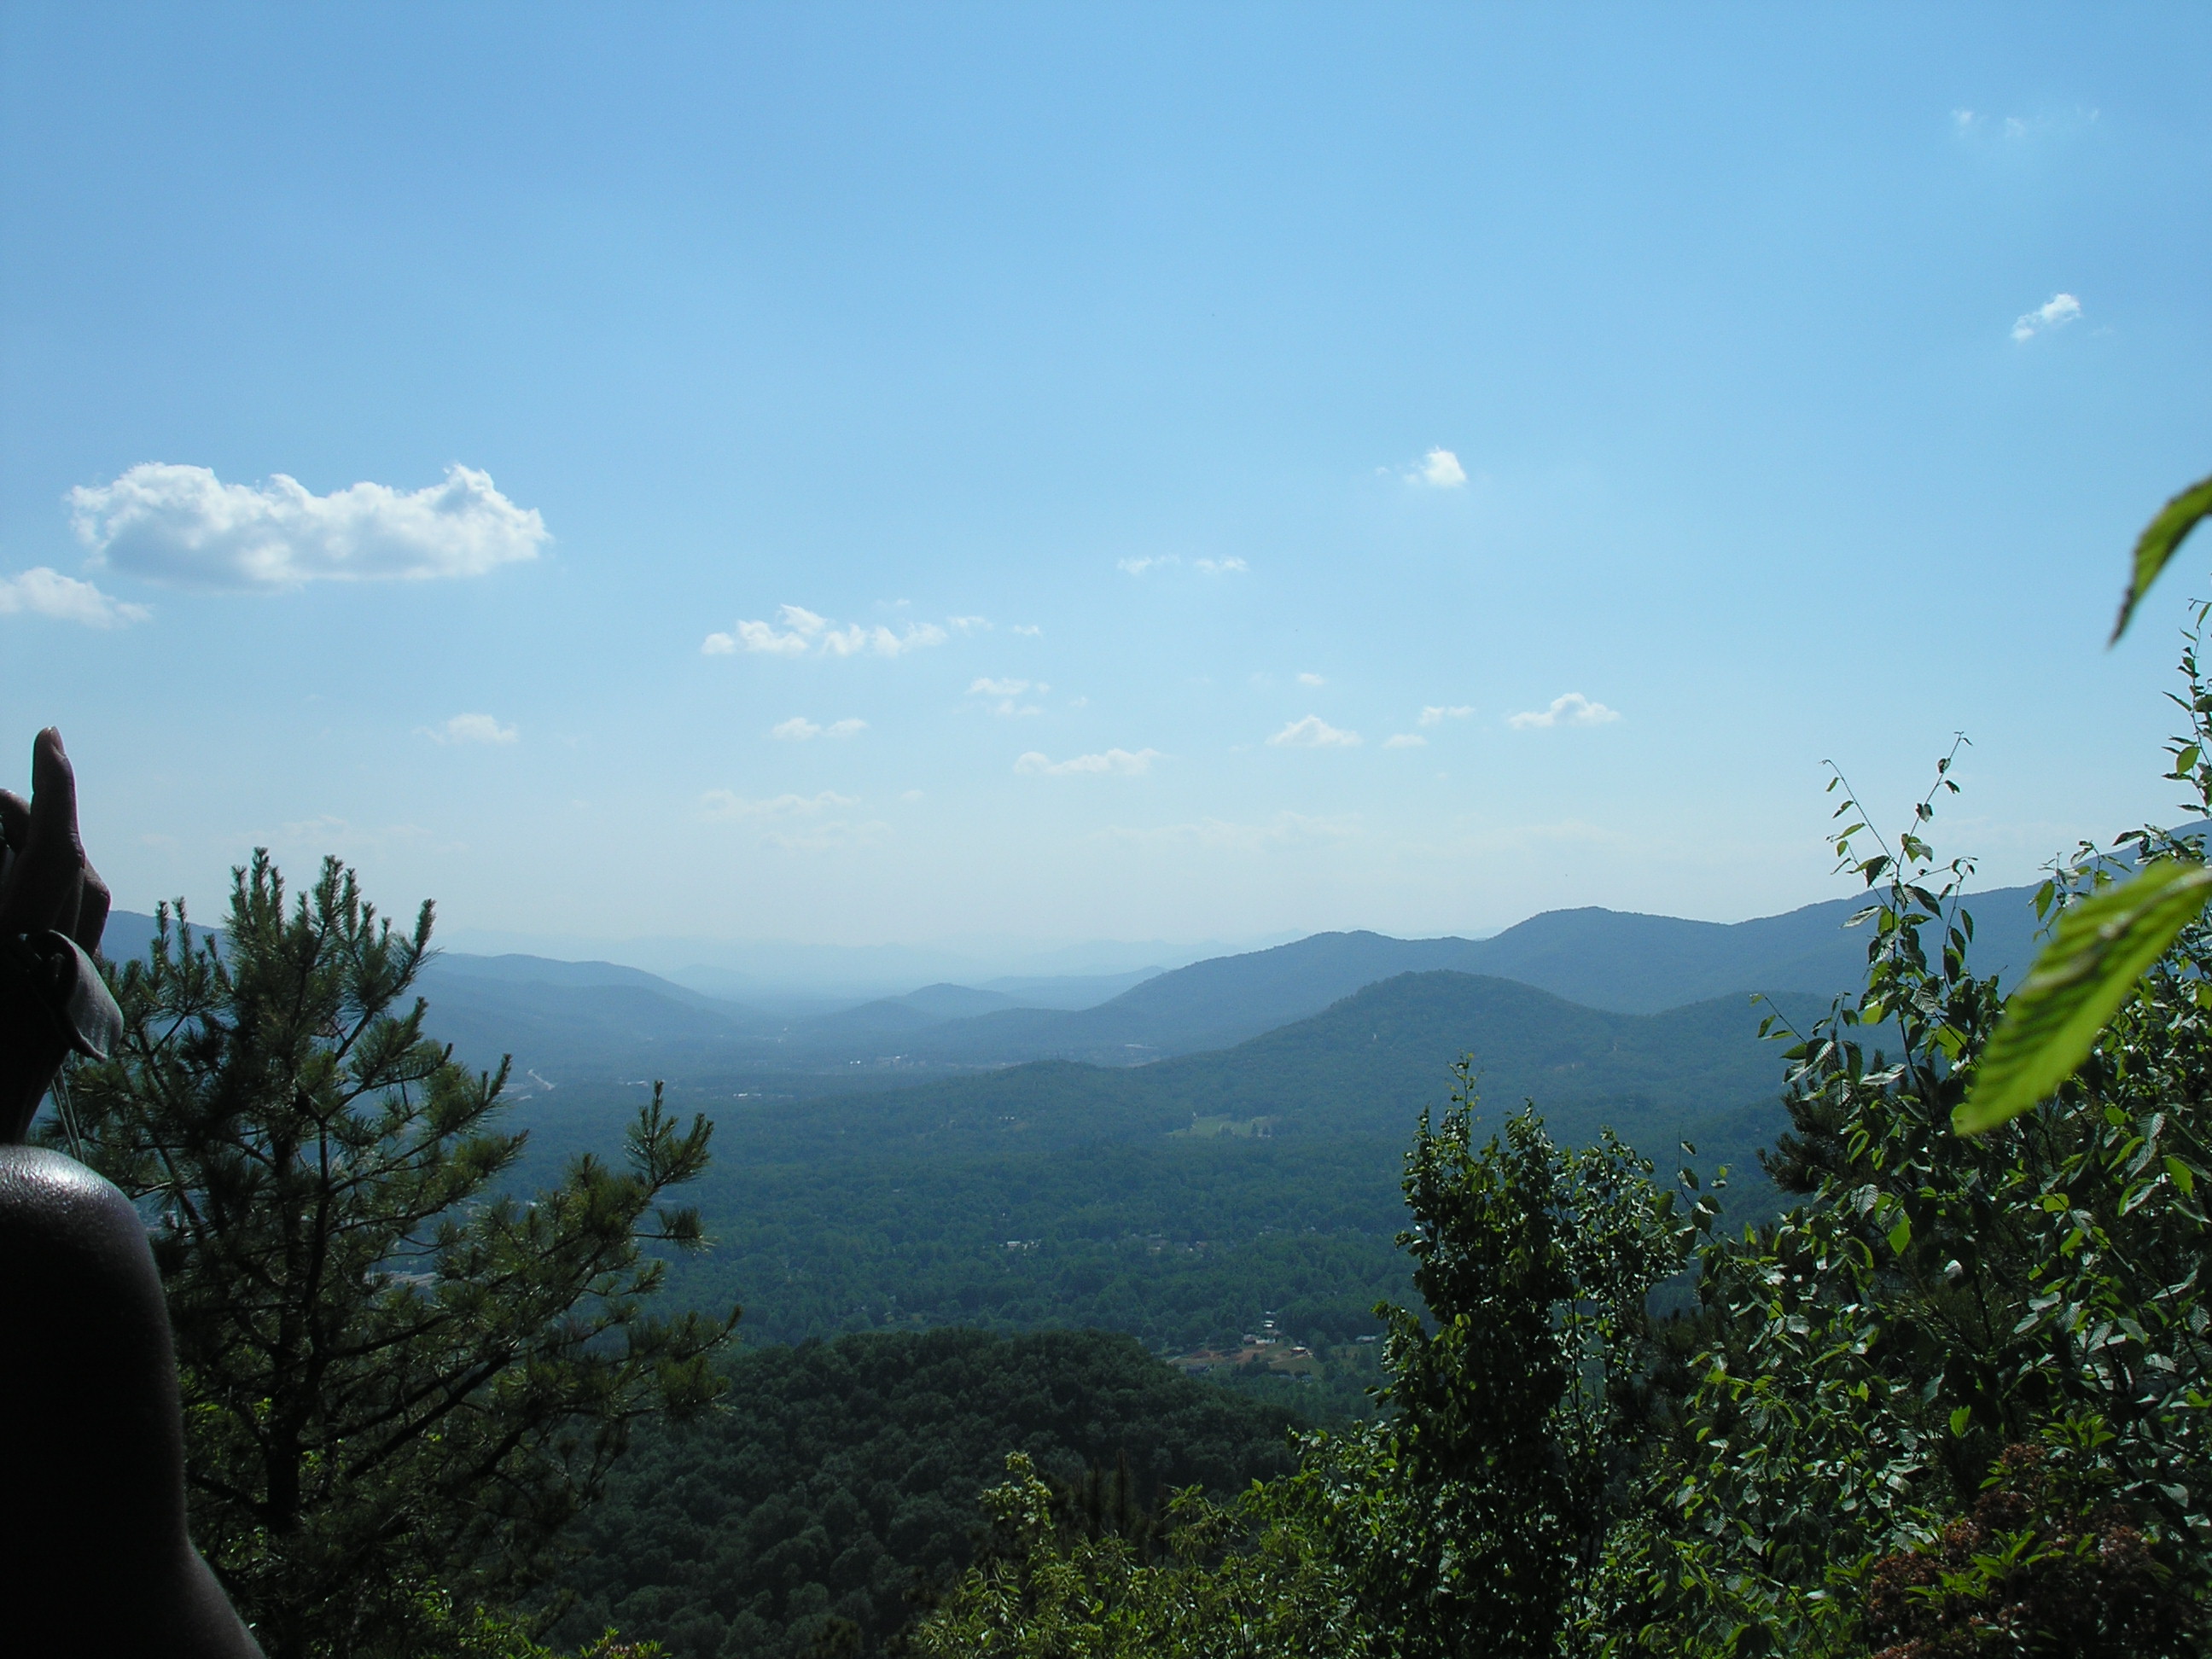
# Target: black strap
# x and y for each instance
(49, 972)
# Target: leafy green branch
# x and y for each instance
(2104, 945)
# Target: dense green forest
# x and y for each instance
(1182, 1202)
(834, 1490)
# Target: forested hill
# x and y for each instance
(1364, 1067)
(1182, 1201)
(837, 1481)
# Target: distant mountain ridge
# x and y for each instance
(584, 1020)
(1639, 963)
(1613, 960)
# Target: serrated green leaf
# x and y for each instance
(2102, 946)
(2161, 540)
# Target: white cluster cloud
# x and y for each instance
(183, 525)
(1137, 566)
(470, 728)
(1438, 470)
(1572, 709)
(798, 630)
(723, 804)
(1311, 679)
(799, 729)
(1314, 732)
(1119, 762)
(1405, 740)
(1229, 567)
(1029, 628)
(2057, 312)
(43, 592)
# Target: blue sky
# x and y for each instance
(1145, 416)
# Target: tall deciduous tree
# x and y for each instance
(399, 1380)
(1521, 1398)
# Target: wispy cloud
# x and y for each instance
(2018, 129)
(470, 728)
(798, 822)
(1229, 567)
(2057, 312)
(723, 804)
(1137, 566)
(1572, 709)
(1405, 740)
(43, 592)
(1314, 732)
(1008, 692)
(1437, 714)
(1119, 762)
(1029, 628)
(183, 525)
(799, 729)
(332, 833)
(1283, 830)
(1438, 470)
(798, 630)
(1311, 679)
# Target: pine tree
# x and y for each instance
(399, 1380)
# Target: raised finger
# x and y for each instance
(46, 886)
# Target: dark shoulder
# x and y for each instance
(72, 1220)
(87, 1334)
(95, 1560)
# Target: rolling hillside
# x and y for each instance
(1176, 1201)
(1364, 1067)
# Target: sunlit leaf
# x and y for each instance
(2102, 946)
(2160, 542)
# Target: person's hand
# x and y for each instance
(46, 885)
(45, 880)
